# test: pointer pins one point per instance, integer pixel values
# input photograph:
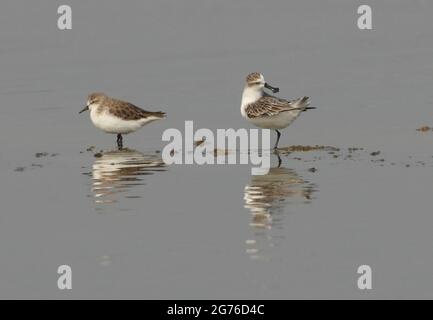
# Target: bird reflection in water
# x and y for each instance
(268, 199)
(120, 171)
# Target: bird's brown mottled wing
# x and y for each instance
(269, 106)
(128, 111)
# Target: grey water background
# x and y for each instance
(184, 232)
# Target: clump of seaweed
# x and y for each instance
(424, 129)
(41, 154)
(301, 148)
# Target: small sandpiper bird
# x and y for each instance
(118, 117)
(266, 111)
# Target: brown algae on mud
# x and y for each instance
(199, 142)
(39, 156)
(301, 148)
(424, 129)
(220, 152)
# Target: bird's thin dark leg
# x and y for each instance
(279, 158)
(119, 141)
(278, 139)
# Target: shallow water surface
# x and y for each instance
(132, 227)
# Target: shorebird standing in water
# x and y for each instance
(118, 117)
(266, 111)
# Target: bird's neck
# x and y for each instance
(251, 95)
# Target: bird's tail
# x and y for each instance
(159, 114)
(303, 104)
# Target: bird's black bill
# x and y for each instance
(273, 89)
(85, 109)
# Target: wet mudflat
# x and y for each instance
(354, 185)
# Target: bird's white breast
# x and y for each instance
(111, 124)
(250, 95)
